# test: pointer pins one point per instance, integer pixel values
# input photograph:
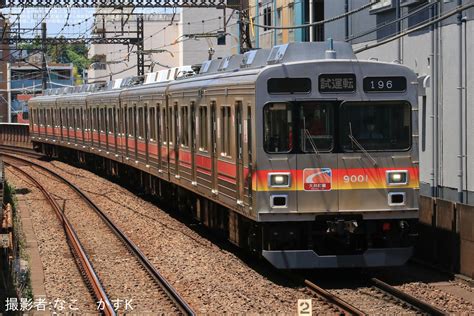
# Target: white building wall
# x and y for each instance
(160, 34)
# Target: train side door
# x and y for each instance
(247, 140)
(214, 146)
(192, 141)
(239, 151)
(164, 137)
(176, 139)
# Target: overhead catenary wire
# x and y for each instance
(413, 12)
(371, 3)
(418, 28)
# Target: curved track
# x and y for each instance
(78, 251)
(180, 305)
(20, 151)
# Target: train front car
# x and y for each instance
(337, 159)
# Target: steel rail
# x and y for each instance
(413, 301)
(20, 151)
(333, 299)
(180, 303)
(74, 242)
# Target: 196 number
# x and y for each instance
(361, 178)
(381, 84)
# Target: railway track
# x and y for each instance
(20, 151)
(371, 299)
(94, 265)
(406, 299)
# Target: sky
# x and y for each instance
(80, 19)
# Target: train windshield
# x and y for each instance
(278, 130)
(316, 127)
(375, 126)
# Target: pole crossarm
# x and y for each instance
(78, 40)
(115, 3)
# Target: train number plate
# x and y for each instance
(317, 179)
(385, 84)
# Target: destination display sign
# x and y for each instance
(385, 84)
(335, 83)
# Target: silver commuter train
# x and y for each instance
(301, 153)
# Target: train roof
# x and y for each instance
(212, 72)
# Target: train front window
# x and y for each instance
(316, 127)
(375, 126)
(278, 128)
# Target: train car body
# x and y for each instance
(303, 154)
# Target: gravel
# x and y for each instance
(122, 277)
(62, 279)
(214, 280)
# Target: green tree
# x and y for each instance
(64, 53)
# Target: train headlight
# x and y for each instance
(397, 177)
(279, 180)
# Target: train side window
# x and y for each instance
(170, 125)
(103, 120)
(81, 118)
(278, 128)
(92, 119)
(203, 128)
(130, 119)
(96, 119)
(71, 118)
(226, 131)
(152, 125)
(78, 119)
(110, 120)
(184, 122)
(141, 120)
(163, 126)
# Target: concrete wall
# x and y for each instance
(439, 139)
(194, 51)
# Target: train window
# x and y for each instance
(162, 125)
(96, 119)
(140, 130)
(78, 119)
(278, 128)
(203, 129)
(152, 125)
(93, 119)
(102, 120)
(316, 126)
(225, 127)
(184, 126)
(63, 118)
(288, 85)
(71, 118)
(48, 115)
(130, 122)
(110, 120)
(375, 126)
(171, 125)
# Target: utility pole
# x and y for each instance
(140, 46)
(245, 43)
(44, 48)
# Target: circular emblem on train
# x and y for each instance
(317, 179)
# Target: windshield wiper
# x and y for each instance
(307, 135)
(354, 141)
